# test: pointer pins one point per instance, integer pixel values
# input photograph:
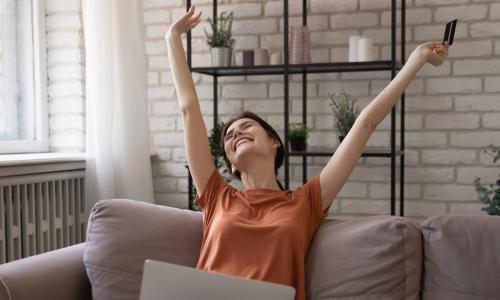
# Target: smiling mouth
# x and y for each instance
(241, 143)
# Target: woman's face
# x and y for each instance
(246, 136)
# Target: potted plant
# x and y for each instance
(345, 112)
(216, 151)
(490, 197)
(298, 134)
(220, 40)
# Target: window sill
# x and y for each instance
(39, 163)
(39, 158)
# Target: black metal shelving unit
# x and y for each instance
(286, 69)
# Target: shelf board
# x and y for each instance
(325, 151)
(378, 65)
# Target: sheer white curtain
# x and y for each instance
(117, 123)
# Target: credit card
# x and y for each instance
(449, 32)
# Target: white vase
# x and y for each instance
(221, 56)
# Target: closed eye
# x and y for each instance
(229, 136)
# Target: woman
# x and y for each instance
(264, 232)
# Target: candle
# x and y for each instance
(261, 56)
(247, 57)
(353, 47)
(365, 49)
(275, 58)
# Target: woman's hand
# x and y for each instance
(185, 23)
(434, 53)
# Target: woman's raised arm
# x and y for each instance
(195, 134)
(340, 166)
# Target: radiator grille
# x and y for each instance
(41, 213)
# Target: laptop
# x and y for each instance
(162, 281)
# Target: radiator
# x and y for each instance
(41, 212)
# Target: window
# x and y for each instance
(23, 79)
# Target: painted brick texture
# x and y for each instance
(452, 111)
(2, 109)
(65, 75)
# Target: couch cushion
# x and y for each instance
(461, 257)
(121, 234)
(375, 257)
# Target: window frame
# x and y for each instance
(41, 129)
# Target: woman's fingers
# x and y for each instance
(194, 24)
(430, 45)
(196, 18)
(436, 52)
(440, 52)
(188, 14)
(195, 21)
(191, 19)
(444, 49)
(187, 21)
(440, 49)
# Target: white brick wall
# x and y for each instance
(2, 109)
(452, 111)
(65, 73)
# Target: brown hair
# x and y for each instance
(278, 159)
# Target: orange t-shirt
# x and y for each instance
(261, 234)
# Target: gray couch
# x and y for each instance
(381, 257)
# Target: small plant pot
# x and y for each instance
(221, 56)
(297, 143)
(341, 138)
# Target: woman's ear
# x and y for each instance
(276, 143)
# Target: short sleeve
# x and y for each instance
(211, 191)
(312, 191)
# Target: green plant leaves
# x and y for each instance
(490, 197)
(299, 130)
(214, 141)
(344, 110)
(221, 33)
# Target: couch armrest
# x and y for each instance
(54, 275)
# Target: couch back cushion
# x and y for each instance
(121, 234)
(375, 257)
(461, 257)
